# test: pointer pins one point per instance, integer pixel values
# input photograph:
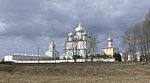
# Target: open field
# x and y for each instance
(124, 72)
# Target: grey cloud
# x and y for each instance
(44, 20)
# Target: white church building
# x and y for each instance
(31, 58)
(110, 50)
(52, 51)
(78, 43)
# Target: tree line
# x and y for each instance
(137, 39)
(116, 56)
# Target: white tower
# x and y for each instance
(110, 40)
(52, 47)
(52, 51)
(110, 50)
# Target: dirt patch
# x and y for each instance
(124, 72)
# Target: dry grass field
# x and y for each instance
(124, 72)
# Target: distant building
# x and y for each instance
(78, 43)
(137, 56)
(110, 50)
(22, 57)
(52, 51)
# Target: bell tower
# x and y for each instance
(110, 40)
(52, 47)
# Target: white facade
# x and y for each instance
(130, 57)
(52, 51)
(78, 43)
(21, 57)
(8, 58)
(44, 59)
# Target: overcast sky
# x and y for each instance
(26, 25)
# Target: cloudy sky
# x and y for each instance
(26, 25)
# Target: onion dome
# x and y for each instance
(110, 39)
(70, 34)
(79, 28)
(85, 33)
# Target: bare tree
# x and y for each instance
(129, 41)
(137, 38)
(94, 45)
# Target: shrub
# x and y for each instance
(64, 58)
(117, 57)
(104, 56)
(76, 56)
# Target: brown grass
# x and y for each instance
(124, 72)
